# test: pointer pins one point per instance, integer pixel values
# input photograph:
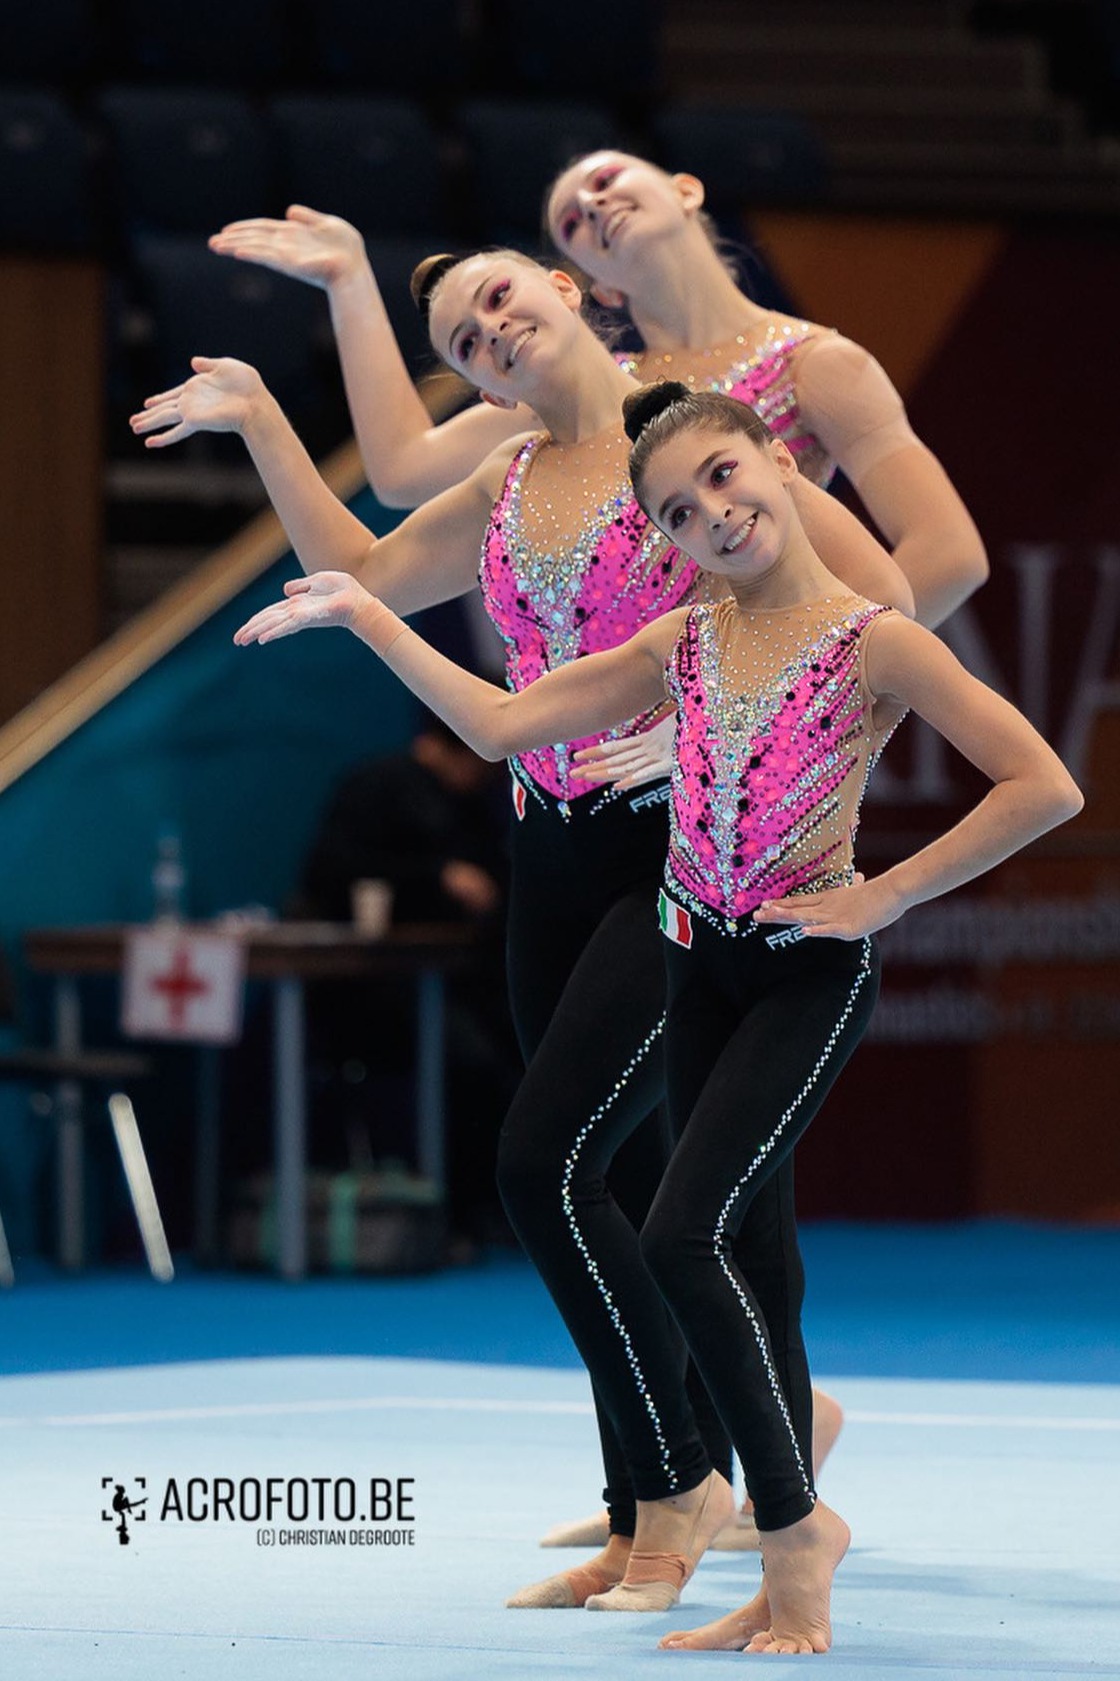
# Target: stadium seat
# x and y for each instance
(201, 304)
(373, 161)
(516, 149)
(390, 47)
(208, 42)
(46, 188)
(744, 156)
(53, 41)
(187, 161)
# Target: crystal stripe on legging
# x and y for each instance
(592, 1266)
(763, 1151)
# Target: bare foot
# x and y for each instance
(800, 1562)
(732, 1633)
(572, 1588)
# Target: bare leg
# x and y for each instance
(570, 1589)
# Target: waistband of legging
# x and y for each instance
(678, 910)
(647, 797)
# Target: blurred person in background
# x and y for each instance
(428, 823)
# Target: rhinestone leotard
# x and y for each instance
(764, 378)
(775, 741)
(552, 608)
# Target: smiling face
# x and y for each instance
(504, 323)
(722, 498)
(604, 212)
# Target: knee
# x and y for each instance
(661, 1240)
(526, 1172)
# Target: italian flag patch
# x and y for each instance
(518, 800)
(676, 924)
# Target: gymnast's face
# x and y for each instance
(609, 212)
(721, 498)
(505, 324)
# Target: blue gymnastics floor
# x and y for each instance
(979, 1468)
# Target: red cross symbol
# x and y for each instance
(179, 986)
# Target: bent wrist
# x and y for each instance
(375, 624)
(261, 418)
(353, 285)
(897, 892)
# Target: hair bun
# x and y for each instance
(427, 275)
(645, 404)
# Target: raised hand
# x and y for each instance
(636, 759)
(325, 598)
(218, 398)
(306, 245)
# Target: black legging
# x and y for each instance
(756, 1033)
(587, 988)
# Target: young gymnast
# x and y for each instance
(569, 565)
(786, 691)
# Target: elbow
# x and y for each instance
(975, 568)
(903, 598)
(1063, 798)
(1072, 800)
(392, 491)
(970, 569)
(496, 736)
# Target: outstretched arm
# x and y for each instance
(578, 699)
(430, 557)
(407, 459)
(848, 402)
(1031, 789)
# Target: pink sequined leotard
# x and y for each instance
(775, 740)
(551, 609)
(764, 379)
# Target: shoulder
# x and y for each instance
(900, 653)
(658, 638)
(828, 365)
(491, 473)
(796, 329)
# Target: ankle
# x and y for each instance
(687, 1501)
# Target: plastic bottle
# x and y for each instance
(169, 879)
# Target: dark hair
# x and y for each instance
(657, 412)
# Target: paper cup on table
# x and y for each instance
(371, 906)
